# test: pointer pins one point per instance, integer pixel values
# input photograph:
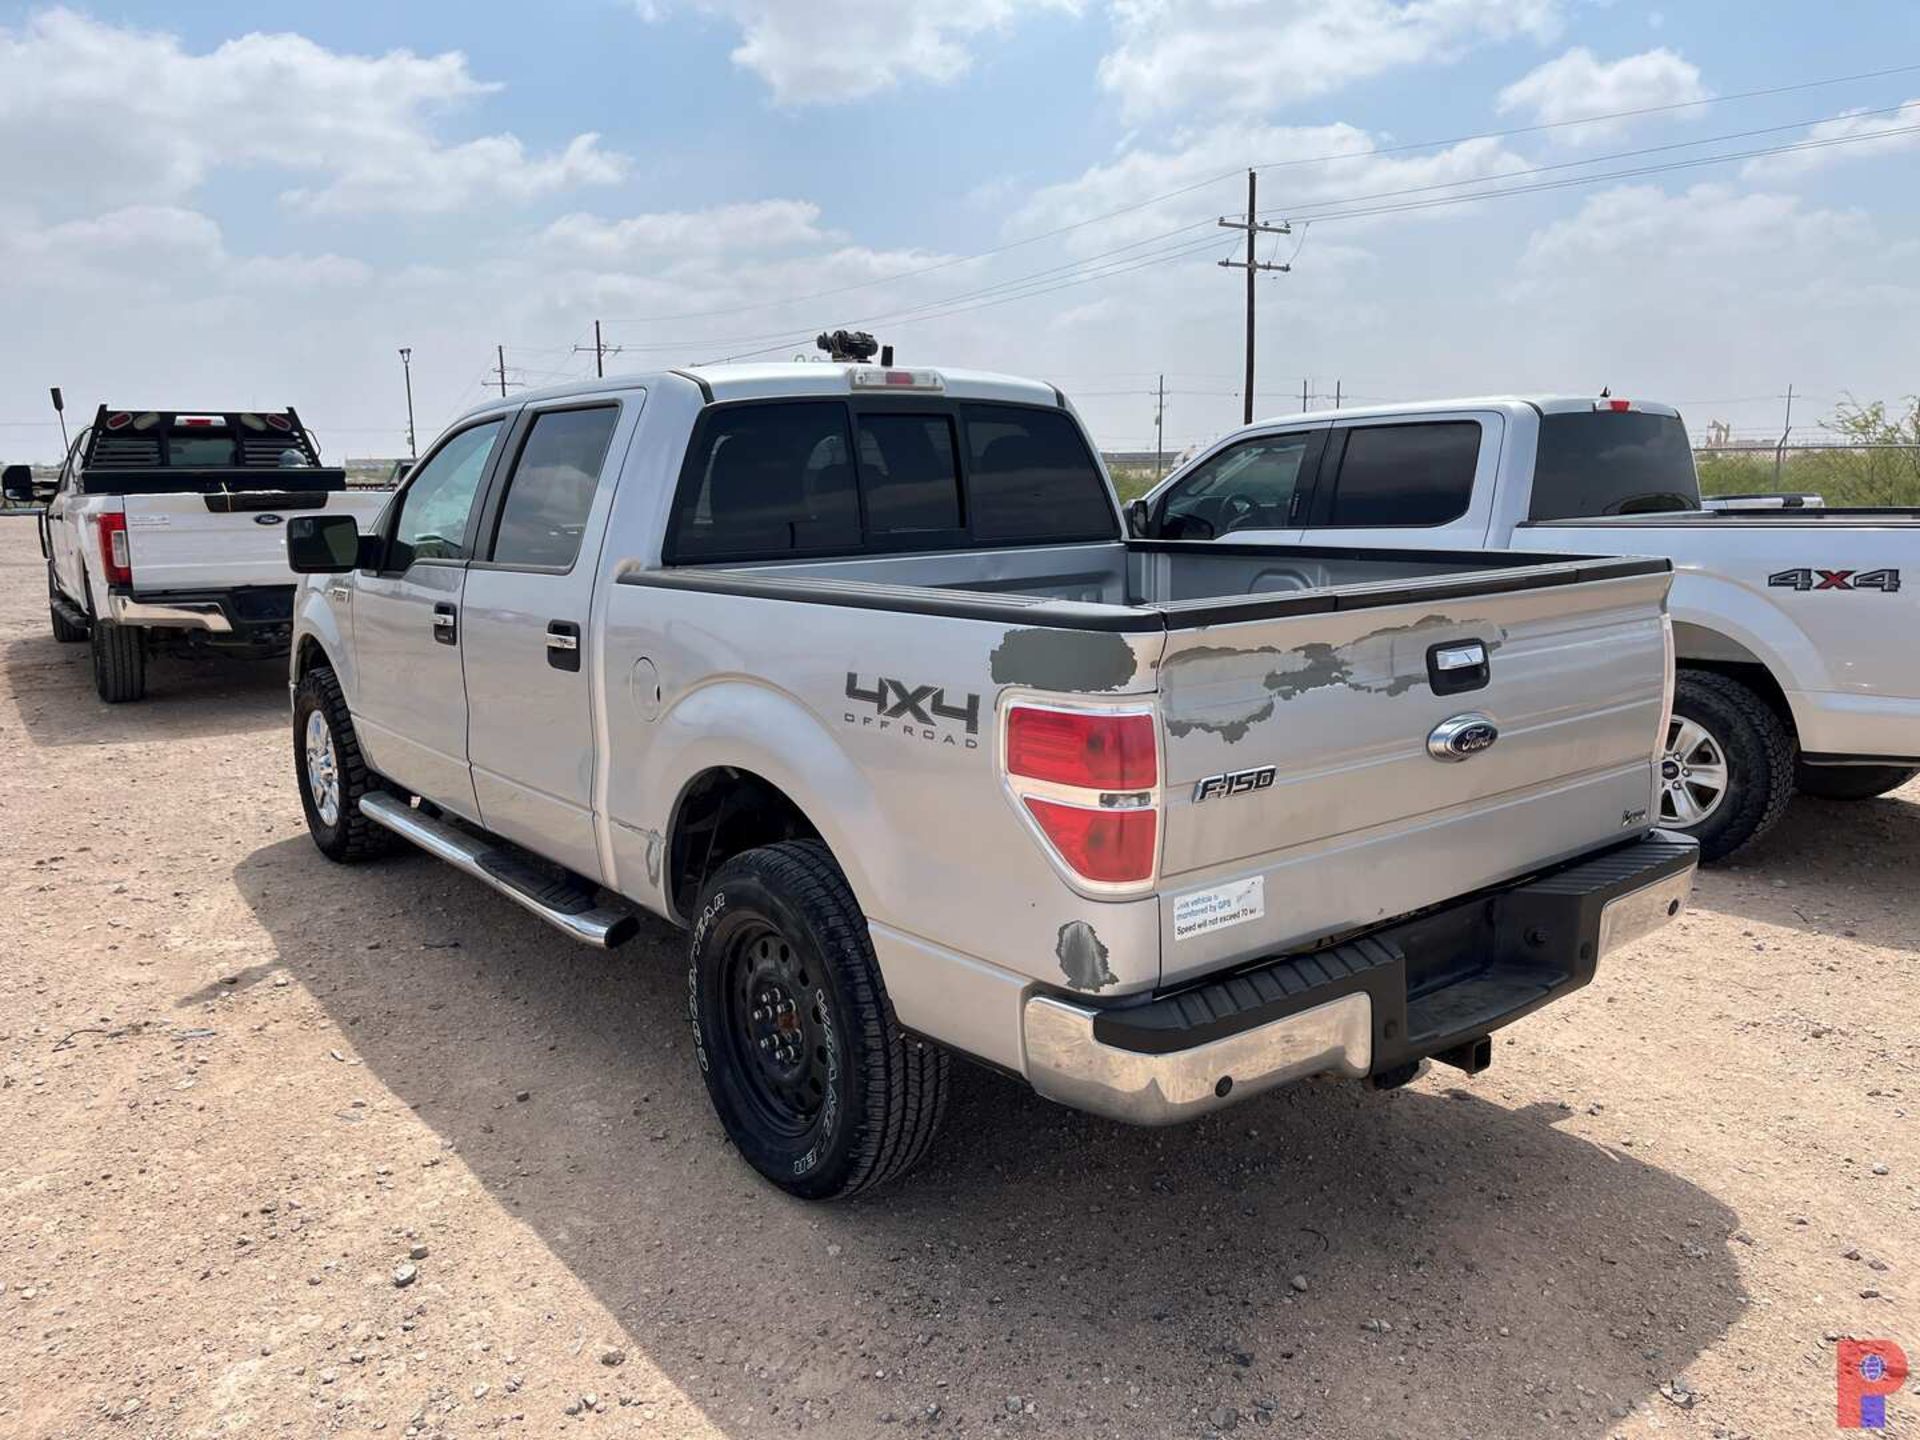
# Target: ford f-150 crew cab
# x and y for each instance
(167, 525)
(1794, 634)
(851, 672)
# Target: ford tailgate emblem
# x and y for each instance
(266, 520)
(1461, 737)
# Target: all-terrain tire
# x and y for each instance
(119, 661)
(64, 630)
(1852, 782)
(782, 918)
(1760, 758)
(347, 835)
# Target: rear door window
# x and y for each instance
(552, 487)
(1603, 462)
(1403, 475)
(1031, 477)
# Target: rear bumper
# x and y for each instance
(1394, 996)
(250, 612)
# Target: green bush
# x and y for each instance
(1841, 477)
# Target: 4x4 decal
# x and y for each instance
(1813, 578)
(911, 706)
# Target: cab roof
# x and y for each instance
(1544, 404)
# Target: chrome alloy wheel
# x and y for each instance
(1693, 774)
(323, 770)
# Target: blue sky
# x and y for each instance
(257, 204)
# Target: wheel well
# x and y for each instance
(312, 655)
(1756, 677)
(722, 813)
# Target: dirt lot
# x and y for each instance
(243, 1087)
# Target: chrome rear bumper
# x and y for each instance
(177, 615)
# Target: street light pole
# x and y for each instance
(406, 364)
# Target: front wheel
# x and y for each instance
(331, 773)
(119, 661)
(1853, 782)
(1727, 773)
(813, 1080)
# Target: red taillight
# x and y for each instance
(115, 558)
(1111, 846)
(1082, 747)
(1089, 779)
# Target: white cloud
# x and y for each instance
(153, 247)
(829, 51)
(1239, 55)
(755, 225)
(1647, 229)
(101, 114)
(1898, 130)
(1578, 84)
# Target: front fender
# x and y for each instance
(316, 621)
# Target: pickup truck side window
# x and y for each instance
(1603, 462)
(1249, 486)
(771, 479)
(909, 475)
(432, 524)
(1030, 477)
(1400, 475)
(552, 488)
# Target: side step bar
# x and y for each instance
(567, 905)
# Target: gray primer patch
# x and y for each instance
(1083, 958)
(654, 848)
(1313, 666)
(1063, 659)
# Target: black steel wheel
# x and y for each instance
(811, 1076)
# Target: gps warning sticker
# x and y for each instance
(1200, 912)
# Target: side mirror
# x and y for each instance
(1139, 519)
(16, 483)
(329, 545)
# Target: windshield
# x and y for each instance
(1606, 462)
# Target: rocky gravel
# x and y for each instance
(288, 1149)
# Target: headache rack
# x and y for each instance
(129, 452)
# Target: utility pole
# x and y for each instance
(406, 364)
(600, 351)
(1336, 394)
(1304, 397)
(1160, 432)
(1254, 229)
(500, 368)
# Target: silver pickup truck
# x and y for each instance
(851, 672)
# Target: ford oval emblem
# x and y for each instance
(1462, 737)
(266, 520)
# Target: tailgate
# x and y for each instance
(192, 541)
(1304, 795)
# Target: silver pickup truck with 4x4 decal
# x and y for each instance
(852, 672)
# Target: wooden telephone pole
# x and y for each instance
(1254, 229)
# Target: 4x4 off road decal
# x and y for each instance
(914, 710)
(1805, 578)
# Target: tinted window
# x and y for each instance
(439, 497)
(908, 474)
(1248, 486)
(769, 480)
(200, 450)
(1603, 462)
(552, 487)
(1031, 477)
(1406, 474)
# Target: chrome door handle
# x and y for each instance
(443, 625)
(557, 641)
(442, 621)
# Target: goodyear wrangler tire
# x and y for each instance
(331, 773)
(815, 1083)
(119, 661)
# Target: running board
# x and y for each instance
(566, 904)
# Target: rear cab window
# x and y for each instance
(1410, 475)
(771, 479)
(1606, 462)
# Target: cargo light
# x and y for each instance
(115, 558)
(868, 377)
(1089, 781)
(200, 422)
(1618, 407)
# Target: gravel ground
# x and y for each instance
(291, 1149)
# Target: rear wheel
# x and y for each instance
(64, 630)
(1727, 773)
(119, 661)
(815, 1083)
(331, 773)
(1853, 782)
